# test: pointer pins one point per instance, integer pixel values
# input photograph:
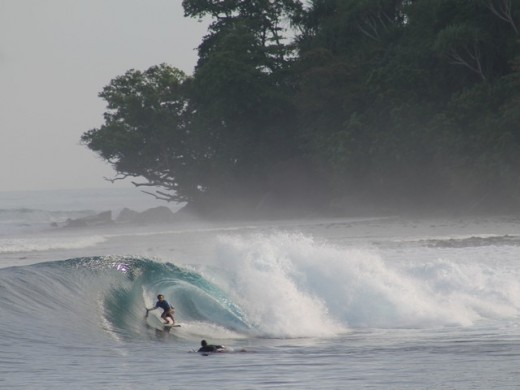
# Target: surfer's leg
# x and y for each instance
(165, 316)
(169, 314)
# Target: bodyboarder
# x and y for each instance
(205, 347)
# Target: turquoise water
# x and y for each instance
(388, 303)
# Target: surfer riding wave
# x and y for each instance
(168, 310)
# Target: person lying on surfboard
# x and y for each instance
(168, 309)
(205, 347)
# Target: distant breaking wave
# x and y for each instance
(25, 215)
(25, 220)
(473, 241)
(16, 245)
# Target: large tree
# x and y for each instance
(390, 102)
(392, 92)
(242, 94)
(146, 134)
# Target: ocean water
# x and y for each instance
(364, 303)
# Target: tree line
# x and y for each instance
(331, 105)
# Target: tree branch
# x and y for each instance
(503, 12)
(372, 32)
(116, 178)
(474, 55)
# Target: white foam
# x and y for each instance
(16, 245)
(265, 281)
(289, 285)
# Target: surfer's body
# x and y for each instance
(168, 309)
(205, 347)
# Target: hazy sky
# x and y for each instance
(55, 57)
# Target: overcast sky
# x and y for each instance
(55, 57)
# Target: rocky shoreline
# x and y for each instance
(126, 216)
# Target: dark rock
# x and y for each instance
(161, 214)
(101, 219)
(127, 216)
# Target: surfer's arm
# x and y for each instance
(153, 308)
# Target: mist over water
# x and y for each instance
(33, 211)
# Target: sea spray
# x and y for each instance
(470, 292)
(290, 285)
(265, 281)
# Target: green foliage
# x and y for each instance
(146, 131)
(403, 116)
(265, 21)
(395, 103)
(241, 93)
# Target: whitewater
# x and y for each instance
(390, 302)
